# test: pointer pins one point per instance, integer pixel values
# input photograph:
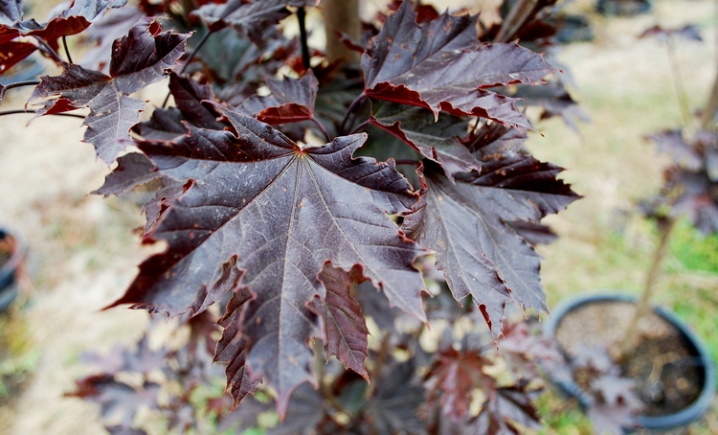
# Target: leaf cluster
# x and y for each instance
(306, 206)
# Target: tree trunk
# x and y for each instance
(341, 16)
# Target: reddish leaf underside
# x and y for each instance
(291, 100)
(139, 59)
(262, 214)
(13, 52)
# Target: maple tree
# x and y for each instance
(304, 203)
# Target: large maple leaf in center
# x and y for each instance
(261, 216)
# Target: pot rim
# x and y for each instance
(680, 418)
(16, 256)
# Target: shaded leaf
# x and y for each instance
(117, 400)
(439, 140)
(305, 411)
(168, 124)
(681, 151)
(441, 66)
(139, 59)
(452, 381)
(534, 233)
(508, 411)
(555, 100)
(394, 407)
(251, 17)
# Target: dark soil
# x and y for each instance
(663, 366)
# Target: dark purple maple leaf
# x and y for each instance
(467, 222)
(394, 406)
(103, 32)
(508, 410)
(442, 66)
(112, 112)
(344, 326)
(268, 214)
(117, 399)
(251, 17)
(691, 184)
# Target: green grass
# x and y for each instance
(695, 251)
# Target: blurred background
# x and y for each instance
(83, 250)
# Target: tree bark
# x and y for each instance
(341, 16)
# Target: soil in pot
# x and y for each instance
(663, 366)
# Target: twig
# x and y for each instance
(677, 83)
(360, 126)
(15, 112)
(49, 50)
(350, 109)
(301, 17)
(67, 51)
(321, 128)
(628, 344)
(191, 56)
(21, 84)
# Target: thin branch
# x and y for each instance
(407, 162)
(678, 83)
(31, 112)
(49, 50)
(189, 59)
(360, 126)
(353, 106)
(321, 128)
(626, 347)
(67, 51)
(709, 111)
(21, 84)
(301, 17)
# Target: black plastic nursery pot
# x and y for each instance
(591, 320)
(11, 256)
